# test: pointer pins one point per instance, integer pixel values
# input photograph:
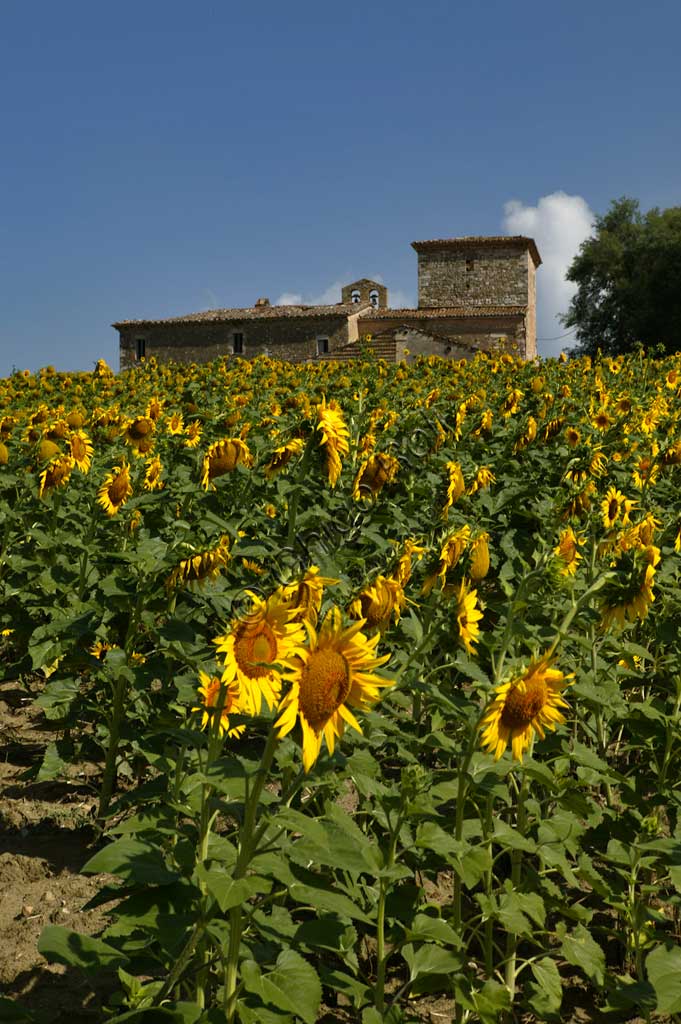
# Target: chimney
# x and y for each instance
(261, 302)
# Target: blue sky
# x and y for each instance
(165, 157)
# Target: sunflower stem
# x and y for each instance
(110, 763)
(247, 847)
(510, 973)
(462, 790)
(381, 958)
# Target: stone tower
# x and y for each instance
(496, 272)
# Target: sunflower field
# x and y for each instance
(377, 669)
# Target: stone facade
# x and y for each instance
(200, 341)
(473, 294)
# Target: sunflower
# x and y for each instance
(116, 489)
(259, 647)
(376, 471)
(223, 457)
(452, 549)
(601, 419)
(455, 487)
(281, 457)
(630, 596)
(139, 434)
(483, 478)
(193, 434)
(468, 616)
(56, 474)
(4, 454)
(486, 421)
(175, 424)
(524, 705)
(335, 434)
(202, 567)
(528, 435)
(81, 450)
(567, 551)
(210, 692)
(152, 475)
(479, 566)
(304, 597)
(155, 408)
(379, 602)
(334, 671)
(613, 505)
(402, 572)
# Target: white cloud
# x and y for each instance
(559, 223)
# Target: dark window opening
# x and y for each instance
(322, 346)
(355, 295)
(238, 344)
(469, 265)
(141, 348)
(373, 297)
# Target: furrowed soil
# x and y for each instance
(46, 835)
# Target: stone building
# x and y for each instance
(474, 293)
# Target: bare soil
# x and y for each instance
(46, 836)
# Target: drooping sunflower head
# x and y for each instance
(479, 551)
(223, 457)
(56, 474)
(453, 547)
(455, 487)
(483, 478)
(567, 551)
(201, 567)
(525, 705)
(334, 672)
(374, 473)
(410, 549)
(116, 489)
(630, 595)
(304, 596)
(335, 435)
(152, 475)
(379, 602)
(281, 457)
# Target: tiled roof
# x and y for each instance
(476, 241)
(442, 312)
(340, 310)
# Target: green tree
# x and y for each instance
(628, 277)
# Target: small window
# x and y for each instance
(373, 297)
(238, 344)
(141, 348)
(469, 265)
(322, 346)
(355, 295)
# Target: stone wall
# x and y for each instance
(481, 276)
(531, 327)
(290, 338)
(433, 335)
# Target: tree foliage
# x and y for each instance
(628, 277)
